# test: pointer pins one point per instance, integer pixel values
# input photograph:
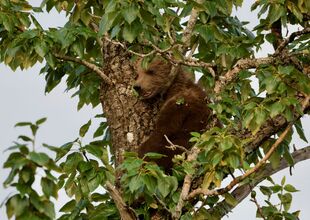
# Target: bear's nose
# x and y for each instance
(137, 88)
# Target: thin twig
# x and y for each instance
(290, 39)
(174, 146)
(89, 65)
(258, 207)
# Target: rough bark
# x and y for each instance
(130, 120)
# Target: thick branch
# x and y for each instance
(241, 192)
(89, 65)
(242, 64)
(120, 204)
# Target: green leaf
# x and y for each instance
(153, 155)
(16, 205)
(72, 161)
(94, 183)
(230, 199)
(61, 151)
(106, 22)
(130, 32)
(286, 200)
(260, 117)
(135, 183)
(39, 158)
(276, 109)
(286, 70)
(276, 11)
(147, 17)
(130, 13)
(10, 177)
(216, 158)
(265, 190)
(300, 130)
(275, 159)
(41, 48)
(69, 206)
(283, 180)
(49, 209)
(180, 101)
(111, 6)
(163, 187)
(49, 188)
(84, 128)
(21, 124)
(276, 188)
(233, 161)
(94, 150)
(100, 130)
(84, 166)
(271, 83)
(195, 134)
(25, 138)
(34, 129)
(290, 188)
(150, 182)
(208, 179)
(16, 160)
(226, 144)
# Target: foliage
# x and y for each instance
(142, 27)
(274, 210)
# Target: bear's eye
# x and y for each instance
(150, 71)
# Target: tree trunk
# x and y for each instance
(130, 120)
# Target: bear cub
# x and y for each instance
(184, 109)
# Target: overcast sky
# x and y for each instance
(22, 99)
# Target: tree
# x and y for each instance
(96, 50)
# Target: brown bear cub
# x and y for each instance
(184, 109)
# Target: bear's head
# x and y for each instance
(153, 80)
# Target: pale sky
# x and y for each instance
(23, 99)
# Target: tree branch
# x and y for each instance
(190, 26)
(186, 185)
(207, 192)
(242, 64)
(89, 65)
(120, 204)
(254, 63)
(241, 192)
(192, 156)
(249, 172)
(290, 39)
(175, 146)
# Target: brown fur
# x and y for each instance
(176, 120)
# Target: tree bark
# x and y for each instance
(130, 120)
